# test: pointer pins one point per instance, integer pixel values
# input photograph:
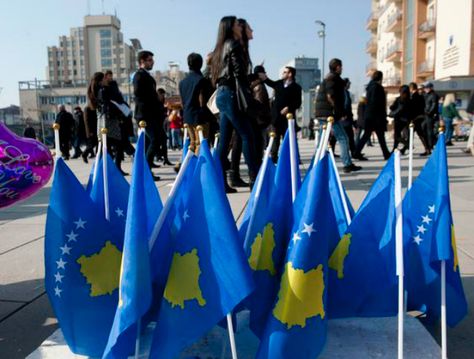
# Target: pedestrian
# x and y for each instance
(470, 112)
(90, 115)
(448, 115)
(286, 99)
(431, 123)
(165, 130)
(400, 112)
(29, 131)
(418, 117)
(330, 102)
(176, 124)
(228, 72)
(148, 107)
(348, 120)
(109, 99)
(79, 131)
(264, 116)
(360, 119)
(66, 130)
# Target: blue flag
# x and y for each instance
(362, 276)
(297, 324)
(429, 238)
(187, 142)
(209, 274)
(118, 190)
(135, 292)
(90, 180)
(82, 260)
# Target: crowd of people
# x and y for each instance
(230, 96)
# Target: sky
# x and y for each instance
(171, 29)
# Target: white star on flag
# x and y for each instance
(308, 229)
(296, 237)
(417, 240)
(65, 249)
(72, 236)
(431, 209)
(426, 219)
(119, 212)
(61, 263)
(80, 223)
(57, 291)
(186, 215)
(59, 277)
(421, 229)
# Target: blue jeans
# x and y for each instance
(448, 123)
(230, 119)
(341, 137)
(175, 137)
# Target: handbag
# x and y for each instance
(212, 103)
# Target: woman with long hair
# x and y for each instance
(229, 70)
(400, 112)
(90, 114)
(449, 113)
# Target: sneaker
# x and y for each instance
(449, 143)
(360, 158)
(155, 177)
(351, 168)
(238, 182)
(168, 163)
(229, 189)
(424, 154)
(84, 158)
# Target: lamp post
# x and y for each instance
(322, 35)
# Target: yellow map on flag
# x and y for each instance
(183, 280)
(455, 250)
(336, 261)
(262, 249)
(300, 296)
(102, 270)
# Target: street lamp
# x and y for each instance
(322, 35)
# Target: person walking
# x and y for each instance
(360, 119)
(176, 124)
(330, 102)
(229, 73)
(348, 120)
(286, 99)
(148, 107)
(164, 134)
(29, 131)
(449, 114)
(79, 131)
(417, 116)
(400, 112)
(431, 121)
(90, 115)
(66, 130)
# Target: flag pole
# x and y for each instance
(399, 253)
(444, 328)
(341, 191)
(410, 154)
(103, 132)
(216, 140)
(293, 155)
(230, 326)
(316, 134)
(57, 145)
(325, 140)
(185, 133)
(97, 159)
(320, 145)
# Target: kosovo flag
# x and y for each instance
(362, 276)
(428, 232)
(209, 274)
(118, 190)
(187, 142)
(297, 324)
(135, 295)
(82, 260)
(90, 180)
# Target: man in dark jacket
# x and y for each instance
(148, 107)
(330, 101)
(417, 115)
(287, 99)
(66, 129)
(79, 131)
(431, 115)
(375, 115)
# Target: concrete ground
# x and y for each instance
(26, 317)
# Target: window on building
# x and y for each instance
(75, 72)
(105, 33)
(58, 63)
(106, 53)
(106, 62)
(105, 43)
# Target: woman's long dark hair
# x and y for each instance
(225, 33)
(93, 89)
(245, 43)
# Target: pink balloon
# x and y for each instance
(26, 165)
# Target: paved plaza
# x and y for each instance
(26, 317)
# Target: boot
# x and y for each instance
(235, 180)
(228, 189)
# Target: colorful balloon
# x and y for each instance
(26, 165)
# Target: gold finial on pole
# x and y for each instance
(289, 116)
(441, 128)
(325, 127)
(104, 131)
(199, 128)
(272, 134)
(142, 124)
(411, 125)
(56, 126)
(185, 125)
(218, 134)
(331, 119)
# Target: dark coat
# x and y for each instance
(431, 104)
(90, 122)
(417, 107)
(334, 86)
(260, 94)
(361, 114)
(190, 89)
(470, 105)
(289, 96)
(80, 128)
(66, 124)
(376, 110)
(147, 105)
(400, 110)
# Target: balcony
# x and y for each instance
(371, 46)
(394, 52)
(427, 29)
(426, 68)
(394, 22)
(372, 22)
(392, 81)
